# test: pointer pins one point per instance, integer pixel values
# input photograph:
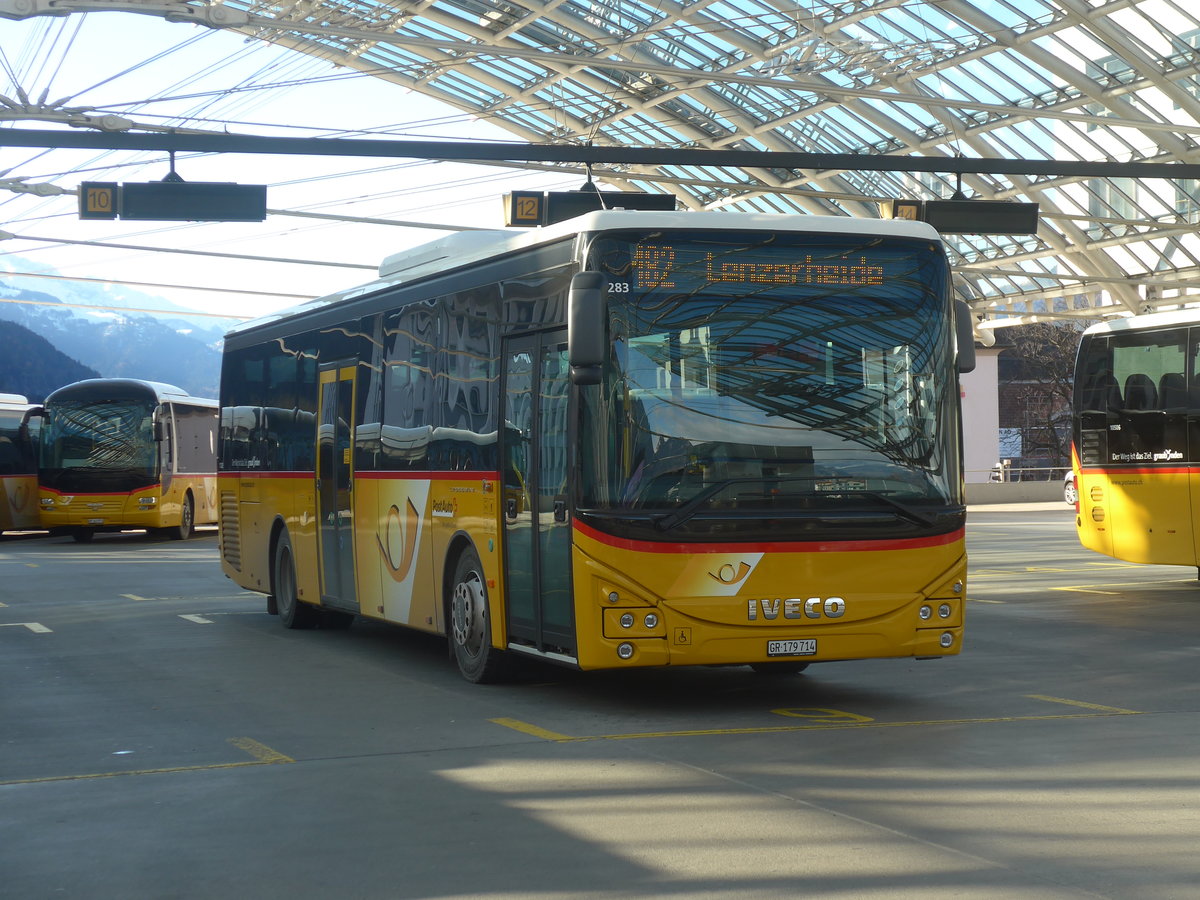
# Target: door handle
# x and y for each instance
(510, 507)
(560, 510)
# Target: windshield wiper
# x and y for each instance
(677, 517)
(904, 509)
(670, 520)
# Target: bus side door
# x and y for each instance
(335, 486)
(537, 527)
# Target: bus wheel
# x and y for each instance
(292, 612)
(778, 668)
(83, 535)
(470, 623)
(187, 518)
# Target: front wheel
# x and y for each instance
(292, 612)
(471, 623)
(187, 520)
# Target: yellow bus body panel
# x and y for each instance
(406, 529)
(723, 605)
(18, 503)
(1139, 516)
(148, 507)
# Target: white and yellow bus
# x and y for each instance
(1136, 440)
(19, 427)
(120, 453)
(630, 439)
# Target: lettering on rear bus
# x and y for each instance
(795, 608)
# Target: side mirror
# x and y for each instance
(966, 336)
(587, 334)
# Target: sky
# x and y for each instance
(159, 73)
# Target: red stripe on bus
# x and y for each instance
(466, 475)
(461, 475)
(939, 540)
(258, 473)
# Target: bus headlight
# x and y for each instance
(47, 502)
(946, 640)
(626, 622)
(944, 610)
(625, 650)
(925, 612)
(651, 620)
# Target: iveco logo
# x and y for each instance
(795, 608)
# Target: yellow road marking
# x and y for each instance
(526, 728)
(1095, 589)
(534, 730)
(1114, 710)
(135, 597)
(263, 756)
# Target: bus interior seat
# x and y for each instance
(1140, 392)
(1172, 391)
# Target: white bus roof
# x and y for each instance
(465, 247)
(1149, 320)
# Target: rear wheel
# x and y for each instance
(292, 612)
(471, 623)
(83, 535)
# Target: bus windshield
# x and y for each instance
(107, 446)
(770, 384)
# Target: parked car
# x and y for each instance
(1069, 493)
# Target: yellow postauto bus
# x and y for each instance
(1135, 446)
(19, 428)
(120, 453)
(629, 439)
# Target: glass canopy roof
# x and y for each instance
(1065, 80)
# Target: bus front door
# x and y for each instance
(536, 512)
(335, 487)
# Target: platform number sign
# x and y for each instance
(525, 208)
(98, 200)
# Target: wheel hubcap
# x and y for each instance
(467, 613)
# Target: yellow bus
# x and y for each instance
(628, 439)
(1136, 410)
(19, 426)
(121, 453)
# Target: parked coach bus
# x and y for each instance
(19, 426)
(630, 439)
(119, 453)
(1136, 441)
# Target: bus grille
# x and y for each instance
(231, 538)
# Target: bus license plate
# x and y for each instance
(95, 521)
(806, 647)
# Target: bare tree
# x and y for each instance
(1036, 372)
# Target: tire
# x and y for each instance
(293, 613)
(1070, 494)
(187, 520)
(778, 668)
(83, 535)
(470, 622)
